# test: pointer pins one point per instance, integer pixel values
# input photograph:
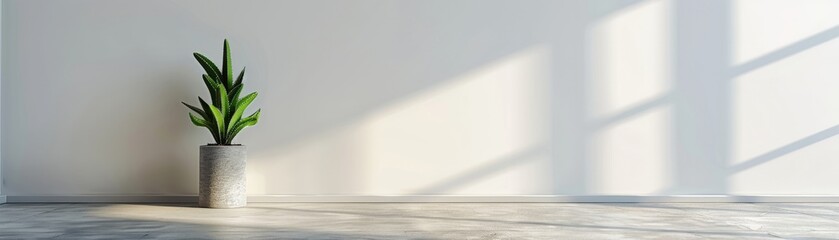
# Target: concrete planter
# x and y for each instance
(221, 182)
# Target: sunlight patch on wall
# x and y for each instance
(763, 26)
(434, 142)
(483, 132)
(256, 182)
(774, 176)
(331, 162)
(629, 60)
(629, 66)
(782, 116)
(632, 157)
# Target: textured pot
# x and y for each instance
(221, 182)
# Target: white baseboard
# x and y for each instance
(2, 199)
(103, 199)
(432, 198)
(545, 198)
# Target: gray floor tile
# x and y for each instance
(422, 221)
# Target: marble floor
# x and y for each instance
(423, 221)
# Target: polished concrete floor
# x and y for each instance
(423, 221)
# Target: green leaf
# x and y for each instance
(197, 121)
(218, 118)
(224, 116)
(240, 109)
(227, 66)
(246, 122)
(254, 117)
(208, 66)
(234, 96)
(240, 78)
(225, 103)
(212, 86)
(211, 123)
(197, 110)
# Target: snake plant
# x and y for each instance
(224, 116)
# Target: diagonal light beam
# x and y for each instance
(631, 112)
(483, 171)
(786, 149)
(786, 51)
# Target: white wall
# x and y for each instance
(2, 197)
(644, 97)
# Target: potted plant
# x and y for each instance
(222, 164)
